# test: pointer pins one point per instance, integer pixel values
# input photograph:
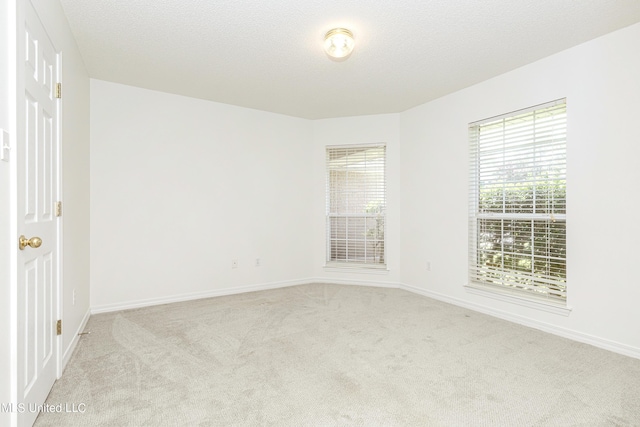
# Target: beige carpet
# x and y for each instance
(329, 355)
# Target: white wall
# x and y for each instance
(601, 84)
(180, 187)
(356, 130)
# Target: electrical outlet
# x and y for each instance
(258, 261)
(234, 263)
(73, 297)
(428, 265)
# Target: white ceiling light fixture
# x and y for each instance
(338, 43)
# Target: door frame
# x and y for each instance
(11, 209)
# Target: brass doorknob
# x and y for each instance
(34, 242)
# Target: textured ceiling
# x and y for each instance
(268, 54)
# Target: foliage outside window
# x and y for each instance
(356, 204)
(517, 221)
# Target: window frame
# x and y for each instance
(353, 263)
(506, 280)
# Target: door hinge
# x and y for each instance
(59, 327)
(58, 90)
(58, 208)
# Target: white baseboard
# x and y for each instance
(66, 356)
(196, 295)
(603, 343)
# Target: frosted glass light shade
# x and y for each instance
(338, 42)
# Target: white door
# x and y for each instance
(37, 192)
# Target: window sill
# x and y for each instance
(512, 297)
(356, 268)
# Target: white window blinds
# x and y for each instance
(517, 216)
(356, 204)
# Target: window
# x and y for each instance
(356, 205)
(517, 216)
